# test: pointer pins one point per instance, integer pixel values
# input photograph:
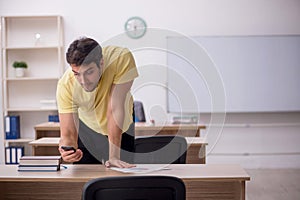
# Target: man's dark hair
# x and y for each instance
(84, 51)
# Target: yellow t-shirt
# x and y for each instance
(119, 67)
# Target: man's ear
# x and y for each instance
(101, 62)
(101, 65)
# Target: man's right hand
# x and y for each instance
(70, 156)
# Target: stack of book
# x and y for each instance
(39, 163)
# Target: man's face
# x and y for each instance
(87, 75)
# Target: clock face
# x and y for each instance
(135, 27)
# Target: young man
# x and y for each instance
(95, 105)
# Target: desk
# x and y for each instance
(187, 130)
(202, 181)
(47, 129)
(45, 146)
(196, 153)
(51, 129)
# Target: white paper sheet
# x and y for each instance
(144, 168)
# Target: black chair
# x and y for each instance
(160, 149)
(139, 112)
(134, 188)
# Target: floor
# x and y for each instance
(273, 184)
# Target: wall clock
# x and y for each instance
(135, 27)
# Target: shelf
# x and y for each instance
(32, 79)
(22, 31)
(30, 109)
(41, 62)
(32, 17)
(30, 47)
(7, 143)
(29, 95)
(38, 41)
(20, 140)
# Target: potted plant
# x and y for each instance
(20, 67)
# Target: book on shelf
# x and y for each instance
(39, 163)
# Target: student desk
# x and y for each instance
(45, 146)
(207, 181)
(51, 129)
(187, 130)
(47, 129)
(196, 153)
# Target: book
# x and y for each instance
(39, 163)
(40, 160)
(38, 168)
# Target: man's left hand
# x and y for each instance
(118, 163)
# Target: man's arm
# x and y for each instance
(115, 119)
(69, 137)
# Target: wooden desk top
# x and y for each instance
(54, 141)
(196, 140)
(138, 126)
(167, 126)
(45, 141)
(47, 126)
(79, 173)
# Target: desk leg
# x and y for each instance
(196, 154)
(243, 190)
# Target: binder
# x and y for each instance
(13, 154)
(53, 118)
(20, 153)
(12, 127)
(7, 155)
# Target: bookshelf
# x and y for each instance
(37, 40)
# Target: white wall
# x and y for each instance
(104, 20)
(256, 140)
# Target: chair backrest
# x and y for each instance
(160, 149)
(139, 112)
(134, 187)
